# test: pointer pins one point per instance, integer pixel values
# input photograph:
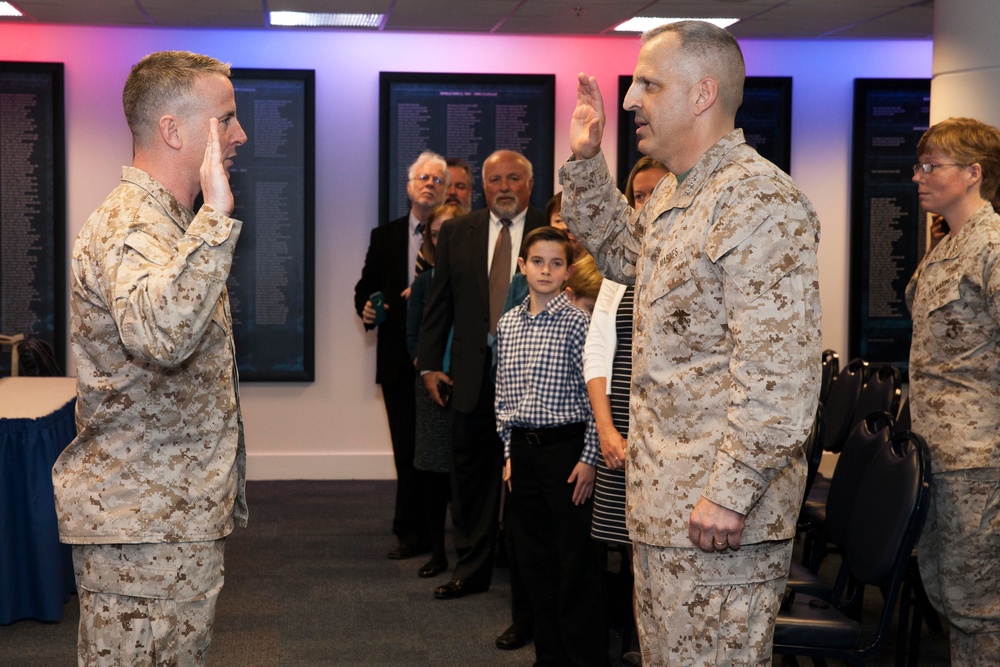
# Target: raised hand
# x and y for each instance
(214, 175)
(587, 126)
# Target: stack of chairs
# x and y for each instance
(832, 520)
(837, 411)
(864, 420)
(883, 524)
(858, 391)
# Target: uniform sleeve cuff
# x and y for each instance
(213, 227)
(734, 485)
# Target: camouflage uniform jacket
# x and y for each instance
(726, 345)
(159, 454)
(954, 297)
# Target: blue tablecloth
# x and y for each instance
(36, 571)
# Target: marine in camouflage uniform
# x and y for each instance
(954, 298)
(725, 382)
(155, 478)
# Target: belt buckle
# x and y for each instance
(533, 437)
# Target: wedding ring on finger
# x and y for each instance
(720, 545)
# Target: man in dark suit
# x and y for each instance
(390, 266)
(464, 295)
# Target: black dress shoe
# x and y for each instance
(432, 568)
(456, 588)
(406, 550)
(513, 638)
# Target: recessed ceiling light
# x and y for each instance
(7, 9)
(326, 20)
(644, 23)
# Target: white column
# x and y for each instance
(966, 60)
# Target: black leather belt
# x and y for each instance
(547, 436)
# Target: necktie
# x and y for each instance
(499, 274)
(422, 263)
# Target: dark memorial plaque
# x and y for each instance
(765, 117)
(888, 228)
(32, 205)
(272, 283)
(466, 116)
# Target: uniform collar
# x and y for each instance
(950, 246)
(179, 213)
(703, 169)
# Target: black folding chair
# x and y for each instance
(828, 524)
(841, 402)
(831, 366)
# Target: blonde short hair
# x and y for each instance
(586, 279)
(160, 83)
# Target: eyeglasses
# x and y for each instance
(928, 167)
(423, 178)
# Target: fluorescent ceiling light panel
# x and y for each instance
(326, 20)
(7, 9)
(644, 23)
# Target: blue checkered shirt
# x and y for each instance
(540, 372)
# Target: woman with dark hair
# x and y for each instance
(954, 298)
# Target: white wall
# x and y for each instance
(334, 428)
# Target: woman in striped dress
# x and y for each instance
(608, 354)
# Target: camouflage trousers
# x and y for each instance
(147, 604)
(959, 558)
(700, 609)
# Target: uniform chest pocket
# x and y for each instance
(684, 308)
(941, 295)
(959, 319)
(149, 249)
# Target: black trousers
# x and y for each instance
(408, 521)
(559, 562)
(476, 475)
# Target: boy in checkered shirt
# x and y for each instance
(551, 448)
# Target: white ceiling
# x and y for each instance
(770, 19)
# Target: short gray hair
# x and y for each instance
(711, 51)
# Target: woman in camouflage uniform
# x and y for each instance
(954, 298)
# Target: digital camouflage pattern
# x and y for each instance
(959, 562)
(726, 349)
(954, 298)
(159, 453)
(147, 604)
(692, 612)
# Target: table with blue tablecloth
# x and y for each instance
(36, 424)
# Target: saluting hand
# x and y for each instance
(214, 176)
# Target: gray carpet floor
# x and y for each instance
(308, 584)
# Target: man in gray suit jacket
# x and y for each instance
(460, 298)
